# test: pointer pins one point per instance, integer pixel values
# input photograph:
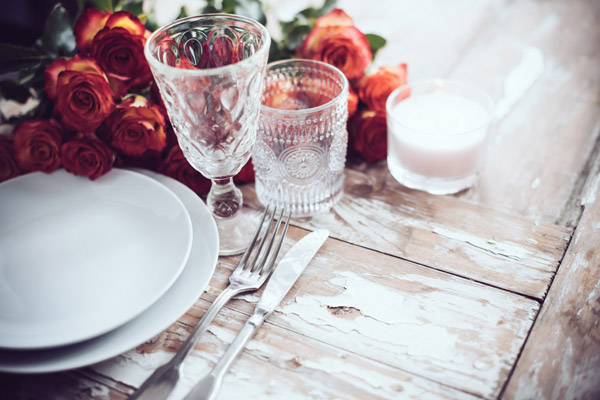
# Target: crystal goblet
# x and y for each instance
(210, 71)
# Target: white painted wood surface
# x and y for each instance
(420, 296)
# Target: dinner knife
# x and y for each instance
(285, 275)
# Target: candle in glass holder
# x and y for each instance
(437, 135)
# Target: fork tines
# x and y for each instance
(262, 261)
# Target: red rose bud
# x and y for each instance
(127, 21)
(8, 165)
(121, 55)
(89, 23)
(336, 41)
(375, 89)
(77, 63)
(87, 157)
(368, 135)
(135, 130)
(246, 174)
(335, 17)
(84, 100)
(157, 99)
(177, 167)
(37, 146)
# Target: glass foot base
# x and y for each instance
(236, 232)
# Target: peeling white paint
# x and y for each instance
(132, 368)
(364, 377)
(425, 328)
(532, 241)
(520, 79)
(508, 250)
(536, 183)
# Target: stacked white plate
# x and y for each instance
(91, 269)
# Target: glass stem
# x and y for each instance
(224, 199)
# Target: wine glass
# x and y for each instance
(210, 71)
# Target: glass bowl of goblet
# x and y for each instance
(210, 70)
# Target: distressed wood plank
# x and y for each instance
(442, 232)
(561, 359)
(408, 317)
(273, 365)
(539, 60)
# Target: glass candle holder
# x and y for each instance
(300, 152)
(437, 135)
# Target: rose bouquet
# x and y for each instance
(96, 106)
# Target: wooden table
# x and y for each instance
(494, 292)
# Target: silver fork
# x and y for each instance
(246, 277)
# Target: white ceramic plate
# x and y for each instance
(78, 258)
(178, 299)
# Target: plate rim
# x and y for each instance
(40, 341)
(112, 343)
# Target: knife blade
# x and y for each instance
(283, 278)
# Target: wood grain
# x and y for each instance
(550, 125)
(442, 232)
(272, 365)
(561, 359)
(408, 317)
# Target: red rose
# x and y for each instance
(352, 102)
(77, 63)
(176, 166)
(157, 99)
(375, 89)
(336, 41)
(368, 135)
(83, 100)
(37, 146)
(135, 130)
(119, 50)
(246, 174)
(90, 22)
(8, 165)
(87, 157)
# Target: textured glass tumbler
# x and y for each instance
(210, 72)
(300, 152)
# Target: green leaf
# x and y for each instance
(251, 9)
(44, 109)
(101, 5)
(297, 36)
(277, 52)
(376, 42)
(58, 39)
(12, 90)
(134, 8)
(327, 6)
(15, 58)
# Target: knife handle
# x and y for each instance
(208, 387)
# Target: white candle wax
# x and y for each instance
(437, 135)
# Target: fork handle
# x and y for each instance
(160, 384)
(208, 387)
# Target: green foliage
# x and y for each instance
(15, 58)
(376, 42)
(58, 39)
(295, 31)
